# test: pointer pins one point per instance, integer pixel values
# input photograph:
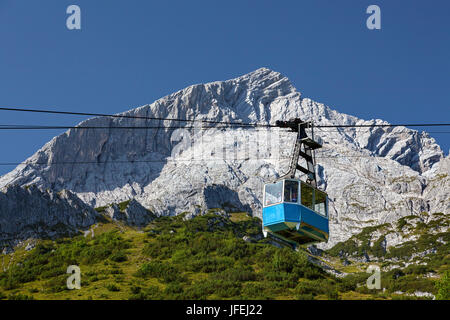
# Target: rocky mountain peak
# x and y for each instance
(371, 174)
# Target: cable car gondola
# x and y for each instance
(294, 211)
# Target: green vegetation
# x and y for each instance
(202, 258)
(123, 205)
(443, 287)
(364, 243)
(415, 265)
(360, 244)
(101, 209)
(48, 262)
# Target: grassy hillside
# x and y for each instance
(415, 264)
(202, 258)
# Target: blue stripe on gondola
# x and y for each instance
(289, 212)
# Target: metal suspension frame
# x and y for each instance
(304, 147)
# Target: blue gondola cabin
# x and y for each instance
(295, 212)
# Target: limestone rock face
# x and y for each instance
(114, 212)
(372, 175)
(31, 213)
(137, 215)
(134, 214)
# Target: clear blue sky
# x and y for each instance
(130, 53)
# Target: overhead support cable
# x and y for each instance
(133, 117)
(219, 122)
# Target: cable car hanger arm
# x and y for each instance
(309, 145)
